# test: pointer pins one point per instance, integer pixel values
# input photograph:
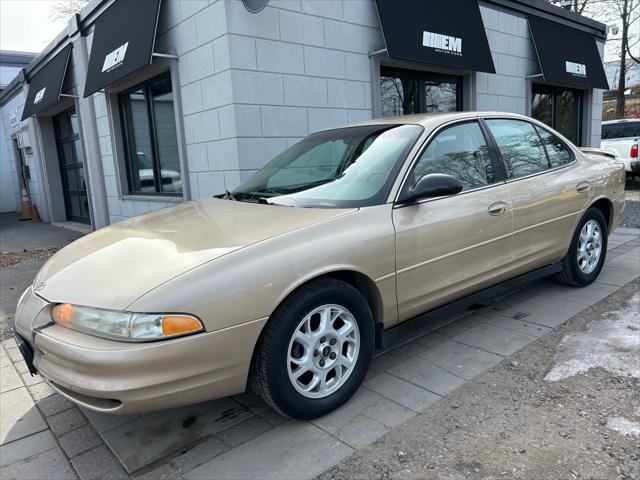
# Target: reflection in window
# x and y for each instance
(403, 92)
(558, 153)
(346, 167)
(150, 136)
(567, 115)
(317, 165)
(460, 151)
(520, 147)
(440, 97)
(560, 108)
(542, 107)
(398, 96)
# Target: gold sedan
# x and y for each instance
(336, 247)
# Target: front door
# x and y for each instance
(71, 166)
(448, 247)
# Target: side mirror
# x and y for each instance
(432, 185)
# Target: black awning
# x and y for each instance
(46, 85)
(122, 44)
(567, 55)
(441, 32)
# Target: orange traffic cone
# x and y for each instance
(26, 205)
(35, 216)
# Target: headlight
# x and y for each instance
(125, 326)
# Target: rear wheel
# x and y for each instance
(587, 252)
(315, 349)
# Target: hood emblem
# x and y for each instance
(39, 287)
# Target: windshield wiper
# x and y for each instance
(266, 201)
(229, 196)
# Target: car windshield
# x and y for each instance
(611, 131)
(344, 168)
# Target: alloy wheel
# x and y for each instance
(589, 247)
(323, 351)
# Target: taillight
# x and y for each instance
(634, 151)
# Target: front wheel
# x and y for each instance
(587, 252)
(315, 349)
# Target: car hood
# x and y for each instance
(112, 267)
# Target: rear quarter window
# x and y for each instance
(558, 152)
(612, 131)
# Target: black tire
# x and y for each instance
(571, 273)
(270, 376)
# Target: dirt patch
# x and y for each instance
(511, 423)
(8, 259)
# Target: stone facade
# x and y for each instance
(246, 86)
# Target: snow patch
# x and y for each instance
(624, 426)
(612, 343)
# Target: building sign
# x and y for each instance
(115, 58)
(40, 95)
(579, 69)
(14, 120)
(568, 56)
(45, 85)
(442, 43)
(439, 32)
(123, 40)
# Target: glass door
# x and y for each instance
(560, 108)
(403, 92)
(74, 187)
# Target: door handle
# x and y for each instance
(496, 209)
(583, 187)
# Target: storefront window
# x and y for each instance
(560, 108)
(403, 92)
(149, 129)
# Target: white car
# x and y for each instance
(622, 138)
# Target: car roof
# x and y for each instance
(621, 120)
(431, 119)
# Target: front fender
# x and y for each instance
(249, 284)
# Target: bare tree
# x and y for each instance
(63, 9)
(577, 6)
(627, 12)
(622, 15)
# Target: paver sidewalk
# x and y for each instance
(42, 434)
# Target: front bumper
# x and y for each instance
(121, 377)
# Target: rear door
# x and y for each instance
(449, 246)
(545, 189)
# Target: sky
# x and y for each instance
(25, 25)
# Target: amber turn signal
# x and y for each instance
(178, 324)
(62, 314)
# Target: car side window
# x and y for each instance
(558, 152)
(520, 146)
(461, 151)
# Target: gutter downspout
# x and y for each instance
(89, 126)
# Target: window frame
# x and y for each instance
(499, 170)
(421, 77)
(553, 90)
(535, 125)
(129, 146)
